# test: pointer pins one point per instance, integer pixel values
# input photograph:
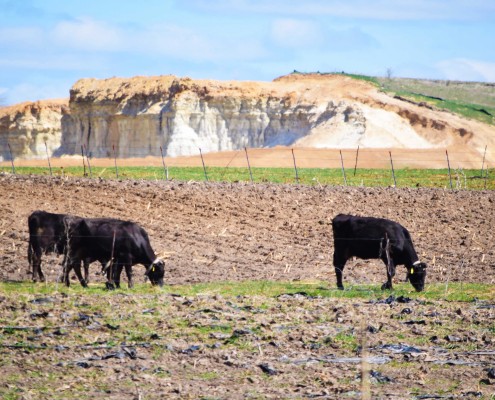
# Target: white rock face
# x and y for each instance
(31, 130)
(188, 122)
(145, 116)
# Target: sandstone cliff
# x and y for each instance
(135, 117)
(26, 127)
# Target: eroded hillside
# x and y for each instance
(140, 116)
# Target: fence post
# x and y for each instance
(393, 171)
(203, 162)
(48, 158)
(87, 159)
(342, 165)
(165, 169)
(355, 165)
(448, 164)
(11, 158)
(483, 162)
(84, 162)
(115, 162)
(249, 165)
(295, 166)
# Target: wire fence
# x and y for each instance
(353, 167)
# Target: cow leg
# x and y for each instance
(36, 261)
(390, 274)
(30, 258)
(128, 272)
(66, 272)
(77, 270)
(86, 270)
(339, 264)
(109, 268)
(117, 272)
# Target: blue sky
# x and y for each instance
(47, 45)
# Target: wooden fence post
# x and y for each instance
(295, 166)
(483, 162)
(393, 171)
(84, 162)
(249, 165)
(448, 164)
(165, 169)
(355, 165)
(115, 162)
(87, 159)
(11, 158)
(342, 165)
(204, 167)
(48, 158)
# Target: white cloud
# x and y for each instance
(295, 33)
(183, 43)
(23, 36)
(88, 34)
(158, 40)
(171, 40)
(467, 70)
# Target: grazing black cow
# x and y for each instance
(48, 233)
(366, 238)
(116, 244)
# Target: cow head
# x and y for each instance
(155, 272)
(416, 275)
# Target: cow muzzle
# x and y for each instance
(155, 272)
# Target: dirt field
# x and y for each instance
(229, 232)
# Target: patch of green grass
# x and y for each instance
(455, 291)
(11, 394)
(344, 340)
(472, 100)
(206, 376)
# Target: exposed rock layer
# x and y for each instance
(28, 130)
(138, 116)
(144, 116)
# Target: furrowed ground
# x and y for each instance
(250, 308)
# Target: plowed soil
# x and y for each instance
(230, 232)
(219, 231)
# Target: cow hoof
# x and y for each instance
(386, 286)
(340, 287)
(109, 286)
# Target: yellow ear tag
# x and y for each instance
(412, 271)
(153, 269)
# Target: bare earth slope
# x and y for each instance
(218, 232)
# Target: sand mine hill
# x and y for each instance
(146, 116)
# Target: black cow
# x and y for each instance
(116, 244)
(48, 233)
(366, 238)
